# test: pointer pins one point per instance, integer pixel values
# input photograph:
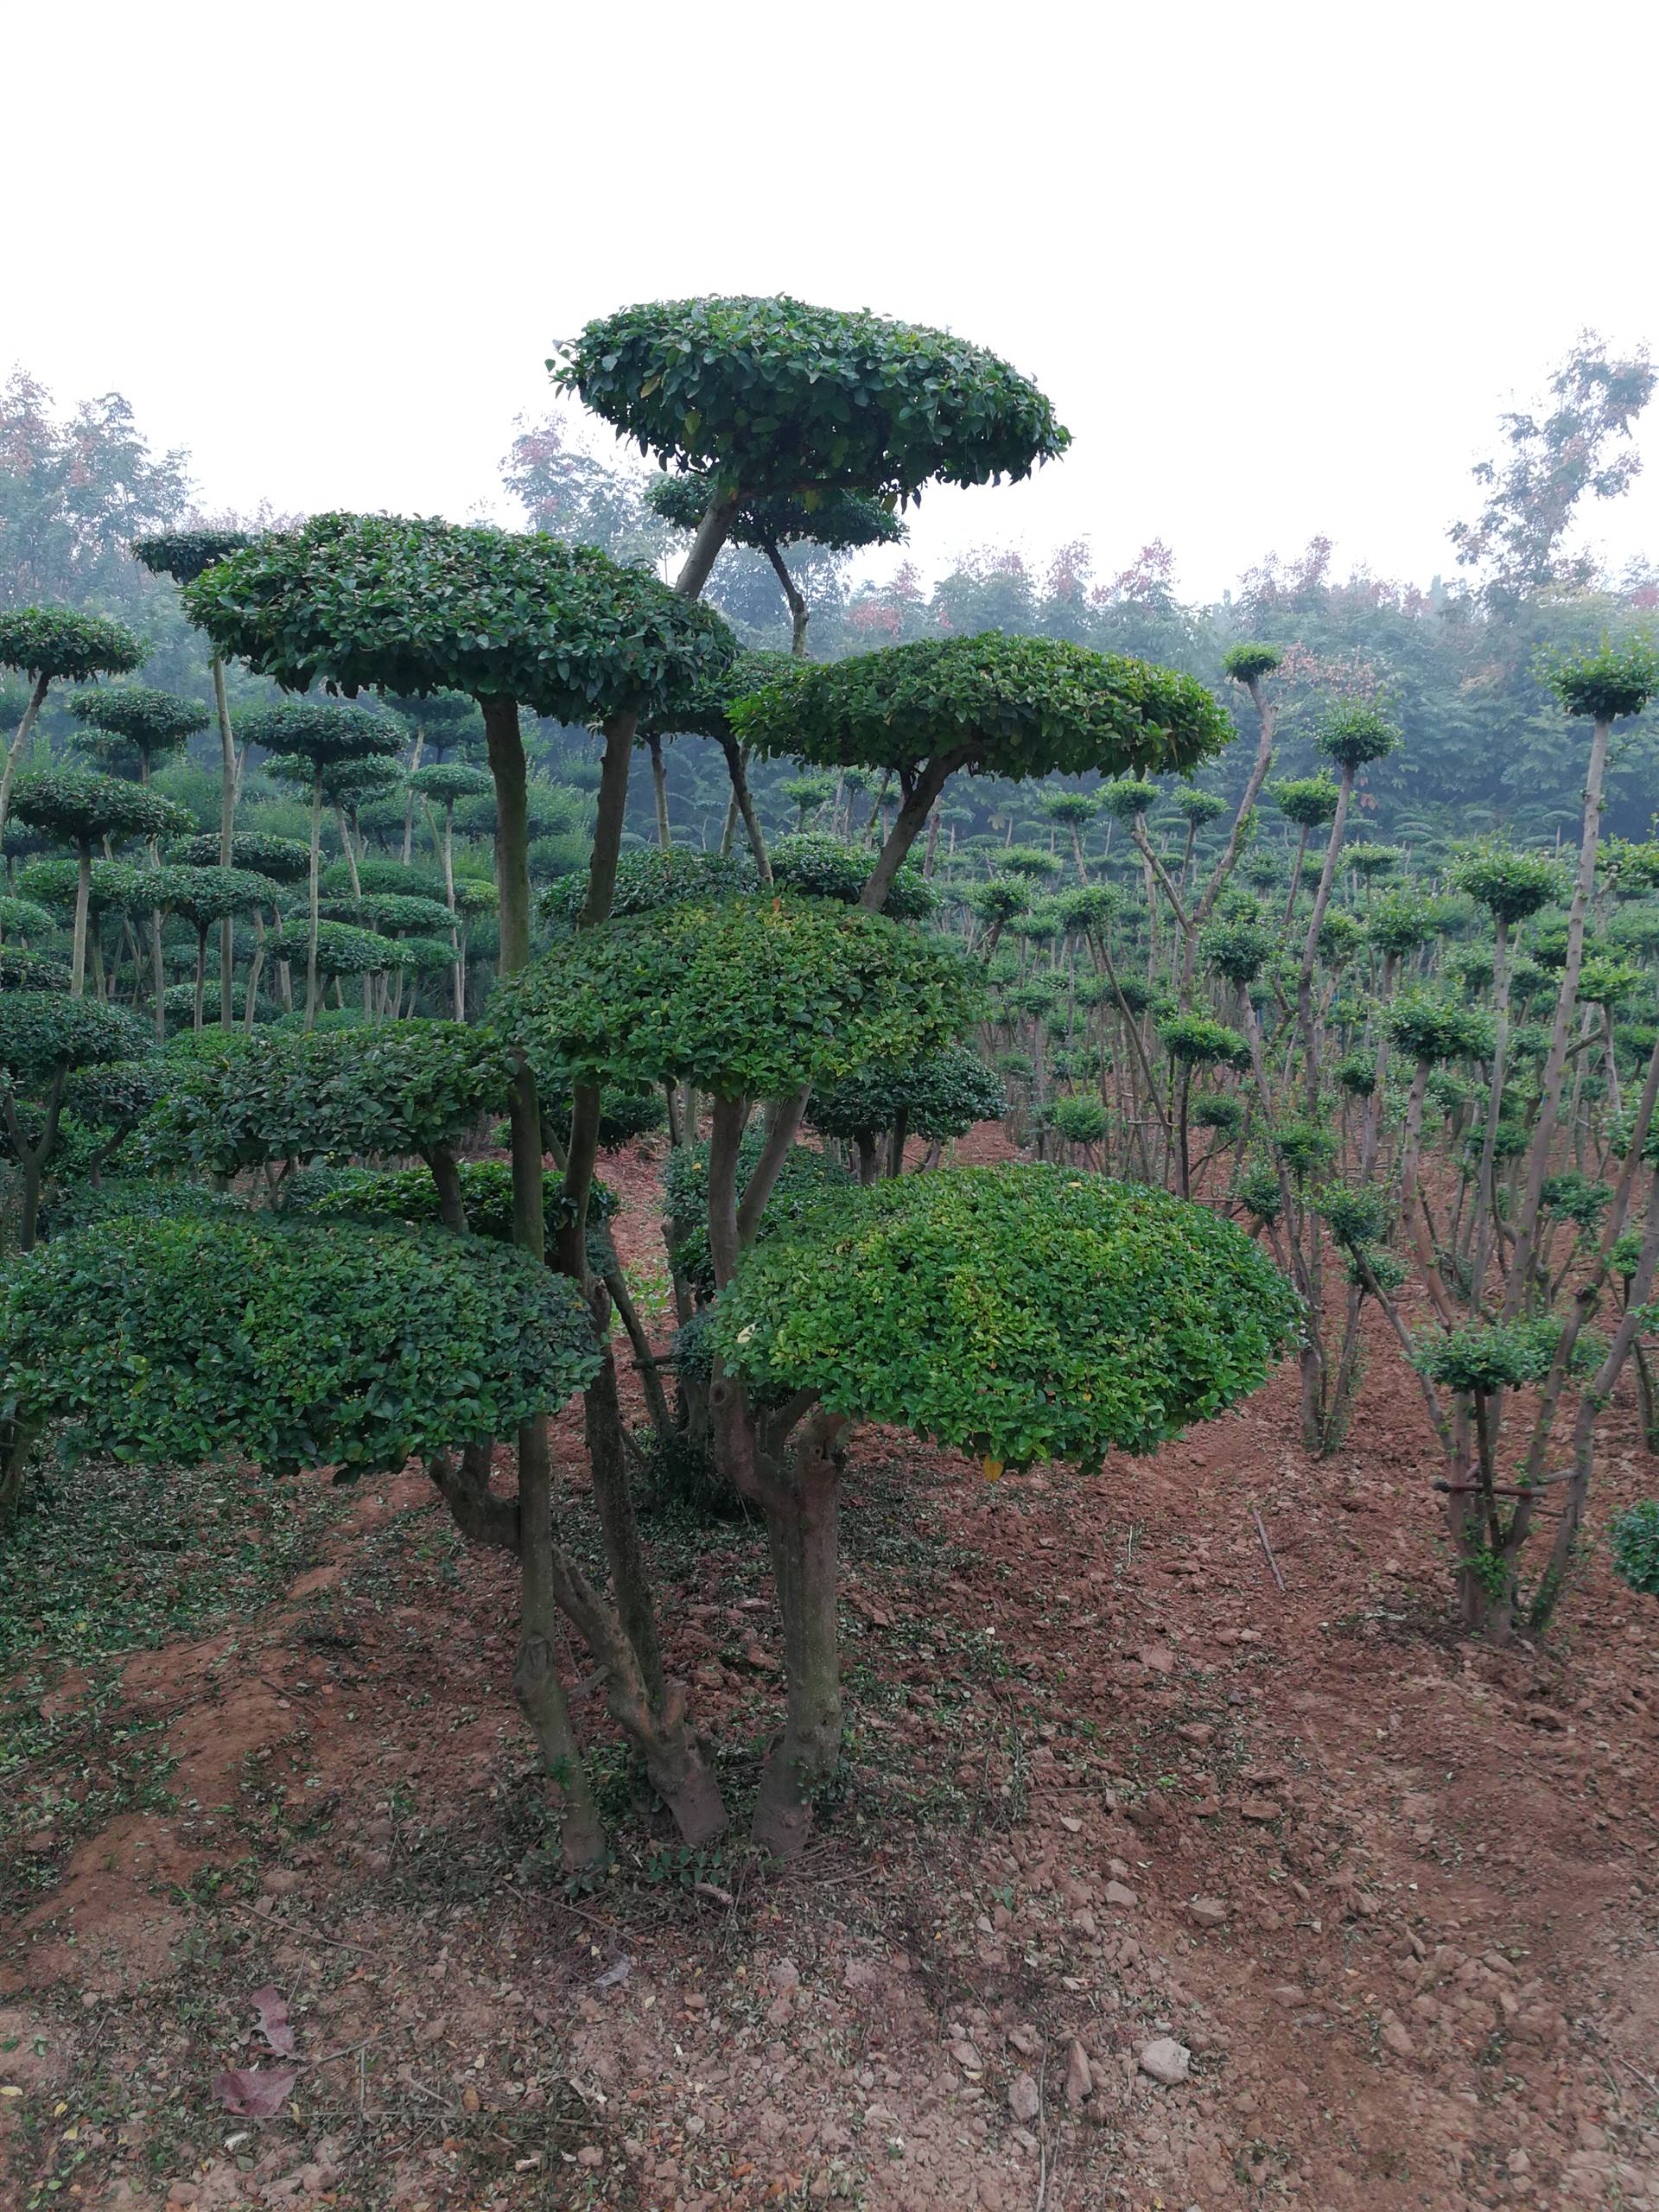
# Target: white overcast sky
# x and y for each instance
(1279, 266)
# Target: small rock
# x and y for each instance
(1122, 1898)
(1023, 2100)
(1258, 1808)
(1166, 2060)
(1207, 1912)
(1026, 2040)
(1156, 1658)
(1079, 2076)
(1396, 2039)
(1518, 2162)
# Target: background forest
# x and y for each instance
(1455, 657)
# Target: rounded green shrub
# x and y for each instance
(771, 396)
(1018, 1313)
(747, 997)
(174, 1341)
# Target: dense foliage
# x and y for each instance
(931, 1302)
(189, 1339)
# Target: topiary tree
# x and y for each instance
(992, 704)
(415, 608)
(748, 999)
(82, 809)
(1353, 736)
(807, 795)
(441, 721)
(47, 643)
(203, 896)
(185, 554)
(415, 1088)
(325, 738)
(1080, 1123)
(1310, 803)
(938, 1097)
(854, 403)
(1250, 665)
(131, 723)
(444, 782)
(284, 860)
(1192, 1042)
(1601, 687)
(931, 1302)
(1073, 810)
(44, 1035)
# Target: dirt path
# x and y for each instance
(1397, 1902)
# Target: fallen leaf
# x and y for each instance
(254, 2093)
(271, 2016)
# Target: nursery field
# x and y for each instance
(1106, 1784)
(872, 1423)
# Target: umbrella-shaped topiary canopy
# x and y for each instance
(289, 1344)
(1016, 1313)
(446, 781)
(133, 722)
(414, 605)
(994, 705)
(324, 732)
(184, 554)
(748, 998)
(407, 1087)
(82, 808)
(410, 607)
(772, 396)
(52, 642)
(46, 643)
(284, 860)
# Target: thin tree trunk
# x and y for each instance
(226, 836)
(83, 900)
(1310, 945)
(802, 1531)
(1521, 1267)
(536, 1671)
(659, 792)
(13, 758)
(311, 933)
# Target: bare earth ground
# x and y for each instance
(1424, 1971)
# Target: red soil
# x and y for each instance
(1423, 1973)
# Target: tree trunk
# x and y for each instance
(83, 900)
(1311, 946)
(311, 932)
(13, 758)
(711, 534)
(803, 1530)
(226, 836)
(536, 1671)
(659, 792)
(737, 769)
(409, 799)
(1526, 1240)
